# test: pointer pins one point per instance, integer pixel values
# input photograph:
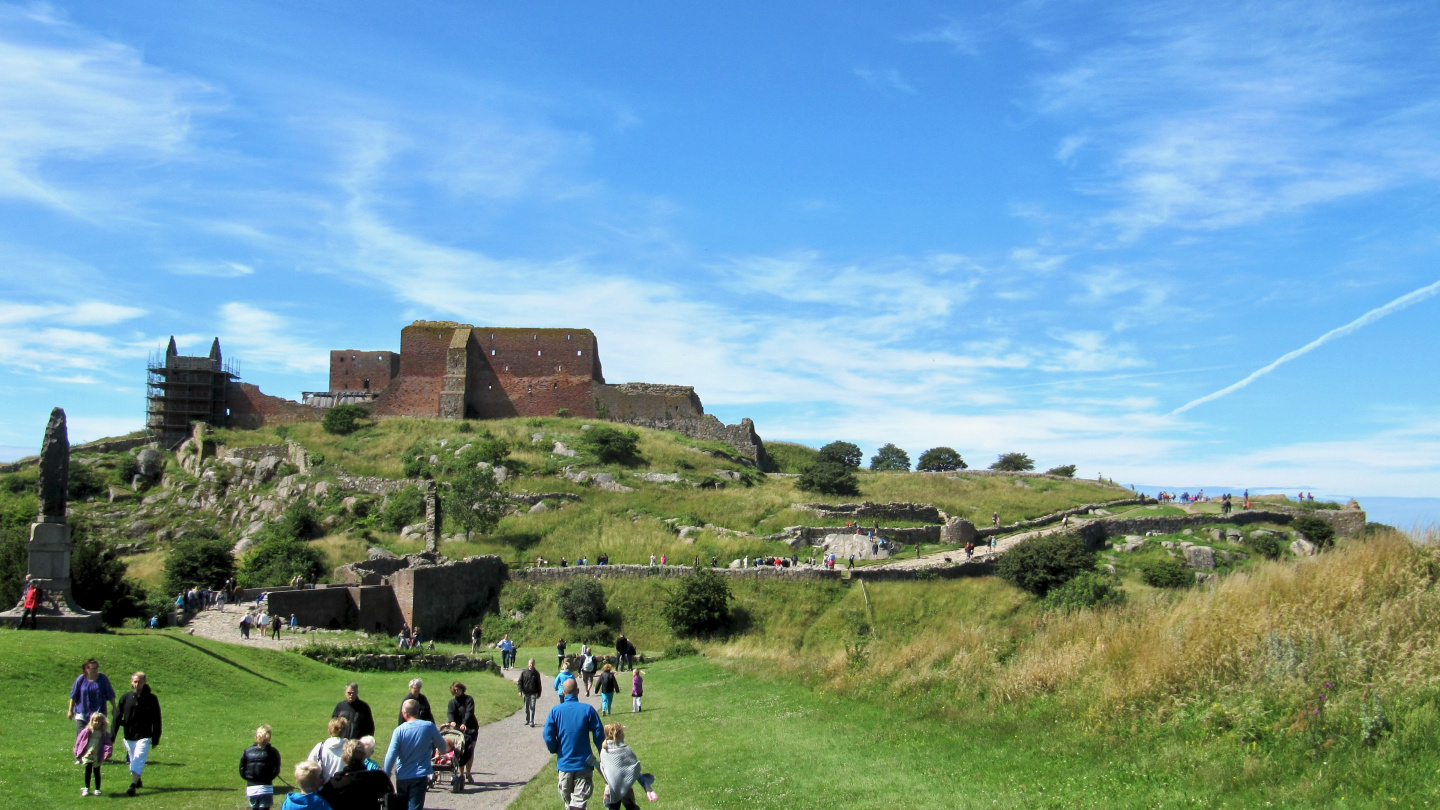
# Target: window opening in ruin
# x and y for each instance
(367, 383)
(538, 352)
(492, 352)
(507, 368)
(578, 352)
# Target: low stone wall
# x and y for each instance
(397, 663)
(977, 568)
(1106, 528)
(255, 453)
(376, 486)
(546, 575)
(1045, 520)
(918, 512)
(815, 535)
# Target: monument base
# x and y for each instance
(50, 568)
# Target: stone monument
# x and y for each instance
(433, 520)
(50, 538)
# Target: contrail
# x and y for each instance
(1364, 320)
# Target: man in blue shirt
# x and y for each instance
(507, 652)
(569, 729)
(412, 744)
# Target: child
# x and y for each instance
(260, 767)
(637, 690)
(621, 769)
(307, 778)
(92, 745)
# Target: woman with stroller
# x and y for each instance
(460, 715)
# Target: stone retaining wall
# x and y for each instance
(376, 486)
(918, 512)
(396, 663)
(546, 575)
(815, 535)
(1045, 520)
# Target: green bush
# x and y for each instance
(1316, 530)
(83, 482)
(298, 522)
(1166, 572)
(1013, 462)
(1087, 589)
(682, 649)
(126, 467)
(1067, 471)
(609, 445)
(97, 580)
(700, 604)
(1041, 564)
(491, 451)
(842, 453)
(20, 483)
(581, 604)
(890, 458)
(940, 459)
(278, 559)
(1267, 546)
(475, 500)
(829, 478)
(202, 560)
(404, 508)
(343, 420)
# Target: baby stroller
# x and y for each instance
(451, 760)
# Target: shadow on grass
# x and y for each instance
(225, 660)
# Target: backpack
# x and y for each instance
(589, 665)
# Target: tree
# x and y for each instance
(403, 509)
(829, 478)
(277, 559)
(940, 459)
(1067, 471)
(842, 453)
(298, 521)
(1013, 462)
(202, 560)
(1043, 563)
(699, 604)
(1166, 572)
(890, 458)
(476, 501)
(97, 579)
(1316, 530)
(581, 604)
(610, 445)
(343, 420)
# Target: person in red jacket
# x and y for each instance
(33, 596)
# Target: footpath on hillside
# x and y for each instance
(983, 554)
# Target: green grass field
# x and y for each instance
(212, 696)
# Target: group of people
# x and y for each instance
(265, 623)
(409, 638)
(137, 723)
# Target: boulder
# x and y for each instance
(659, 478)
(536, 437)
(150, 464)
(501, 474)
(539, 508)
(444, 442)
(322, 488)
(253, 529)
(117, 494)
(242, 545)
(586, 427)
(1302, 548)
(579, 477)
(604, 478)
(265, 468)
(1202, 557)
(612, 486)
(413, 532)
(1188, 531)
(463, 449)
(434, 459)
(728, 475)
(1202, 577)
(734, 565)
(1133, 544)
(349, 503)
(1218, 535)
(1234, 536)
(561, 450)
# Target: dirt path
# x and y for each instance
(936, 559)
(223, 624)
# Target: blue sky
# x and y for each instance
(1044, 227)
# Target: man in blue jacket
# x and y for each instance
(412, 744)
(569, 729)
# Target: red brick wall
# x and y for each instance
(416, 392)
(350, 368)
(533, 372)
(250, 408)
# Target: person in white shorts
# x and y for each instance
(138, 716)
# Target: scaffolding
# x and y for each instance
(180, 391)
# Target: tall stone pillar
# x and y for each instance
(433, 520)
(50, 544)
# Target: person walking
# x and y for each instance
(475, 640)
(587, 672)
(607, 685)
(560, 653)
(260, 767)
(357, 712)
(92, 746)
(460, 714)
(560, 678)
(415, 695)
(622, 647)
(275, 622)
(34, 596)
(637, 690)
(570, 728)
(90, 693)
(412, 745)
(507, 652)
(245, 626)
(529, 684)
(138, 714)
(326, 753)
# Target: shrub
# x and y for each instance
(581, 604)
(404, 508)
(416, 460)
(476, 502)
(1013, 462)
(1087, 589)
(829, 478)
(1166, 572)
(126, 467)
(14, 562)
(699, 604)
(1043, 563)
(1316, 530)
(277, 559)
(490, 451)
(940, 459)
(298, 522)
(682, 649)
(890, 458)
(787, 457)
(97, 580)
(842, 453)
(83, 482)
(202, 560)
(1067, 471)
(20, 482)
(343, 420)
(1267, 545)
(610, 445)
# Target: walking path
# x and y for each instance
(936, 559)
(223, 624)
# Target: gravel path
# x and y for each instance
(936, 559)
(223, 624)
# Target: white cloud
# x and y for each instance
(212, 269)
(884, 78)
(267, 340)
(960, 38)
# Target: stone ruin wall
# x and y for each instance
(350, 368)
(677, 408)
(556, 574)
(918, 512)
(250, 408)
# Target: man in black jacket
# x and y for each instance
(529, 683)
(622, 648)
(138, 715)
(357, 711)
(356, 787)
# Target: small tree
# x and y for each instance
(1087, 589)
(97, 579)
(1013, 462)
(842, 453)
(829, 478)
(198, 560)
(610, 445)
(1166, 572)
(890, 458)
(581, 603)
(1067, 471)
(1316, 530)
(343, 420)
(404, 508)
(83, 482)
(1043, 563)
(699, 604)
(298, 522)
(1266, 545)
(476, 502)
(277, 559)
(940, 459)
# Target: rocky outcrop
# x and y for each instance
(918, 512)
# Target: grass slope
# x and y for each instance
(212, 695)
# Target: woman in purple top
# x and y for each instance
(90, 693)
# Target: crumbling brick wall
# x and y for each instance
(250, 408)
(357, 370)
(434, 597)
(424, 348)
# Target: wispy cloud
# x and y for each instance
(268, 340)
(884, 78)
(1409, 299)
(959, 37)
(212, 269)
